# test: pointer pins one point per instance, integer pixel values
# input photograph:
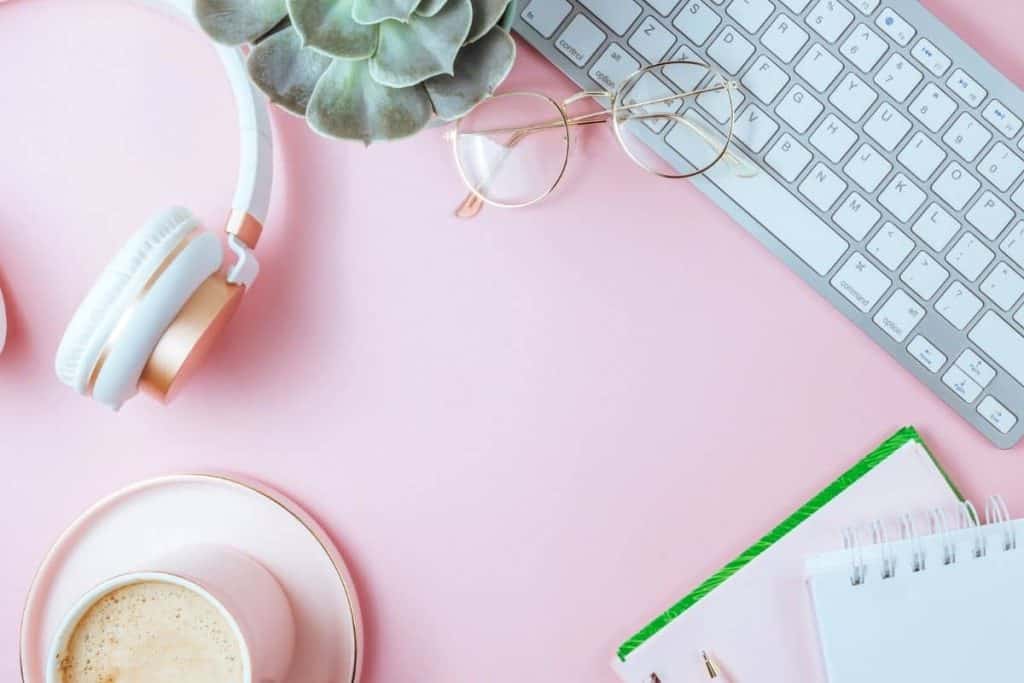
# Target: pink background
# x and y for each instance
(529, 433)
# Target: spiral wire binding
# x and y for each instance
(941, 525)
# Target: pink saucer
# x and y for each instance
(162, 514)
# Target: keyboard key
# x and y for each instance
(697, 21)
(956, 185)
(902, 197)
(754, 128)
(864, 48)
(716, 103)
(685, 76)
(976, 368)
(922, 156)
(895, 26)
(965, 387)
(924, 275)
(1001, 166)
(618, 15)
(784, 38)
(899, 315)
(833, 138)
(765, 79)
(797, 6)
(856, 216)
(545, 16)
(967, 137)
(1005, 121)
(822, 187)
(730, 50)
(649, 88)
(1004, 286)
(998, 415)
(778, 211)
(990, 215)
(580, 40)
(1000, 342)
(969, 256)
(867, 168)
(867, 7)
(614, 66)
(819, 68)
(788, 157)
(829, 19)
(898, 77)
(888, 127)
(799, 109)
(958, 305)
(891, 246)
(966, 88)
(652, 40)
(664, 7)
(930, 57)
(933, 107)
(936, 227)
(861, 282)
(926, 353)
(1013, 245)
(751, 14)
(853, 97)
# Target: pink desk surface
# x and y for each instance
(529, 433)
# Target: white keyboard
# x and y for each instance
(892, 164)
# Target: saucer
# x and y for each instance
(151, 518)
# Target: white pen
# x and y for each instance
(713, 671)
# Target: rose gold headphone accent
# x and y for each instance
(122, 322)
(245, 227)
(190, 336)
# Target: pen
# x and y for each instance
(713, 671)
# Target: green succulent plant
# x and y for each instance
(369, 69)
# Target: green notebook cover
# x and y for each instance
(887, 448)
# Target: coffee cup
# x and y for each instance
(211, 608)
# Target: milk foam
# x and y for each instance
(152, 632)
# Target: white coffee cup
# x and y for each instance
(245, 594)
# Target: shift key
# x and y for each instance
(1001, 342)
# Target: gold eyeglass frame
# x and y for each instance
(475, 200)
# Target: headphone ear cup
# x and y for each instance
(117, 288)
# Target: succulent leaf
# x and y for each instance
(233, 22)
(486, 14)
(376, 11)
(425, 47)
(429, 8)
(286, 71)
(327, 25)
(479, 69)
(348, 103)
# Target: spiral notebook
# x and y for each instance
(946, 607)
(755, 615)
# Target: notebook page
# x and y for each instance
(944, 624)
(759, 622)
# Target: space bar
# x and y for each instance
(775, 208)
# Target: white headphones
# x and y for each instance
(157, 308)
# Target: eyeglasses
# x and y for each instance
(513, 149)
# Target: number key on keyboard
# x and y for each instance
(967, 137)
(864, 48)
(618, 15)
(697, 21)
(898, 77)
(933, 108)
(829, 19)
(784, 38)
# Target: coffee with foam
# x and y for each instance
(152, 632)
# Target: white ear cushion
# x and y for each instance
(118, 380)
(114, 291)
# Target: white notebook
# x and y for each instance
(946, 607)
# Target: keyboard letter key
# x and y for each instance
(618, 15)
(697, 21)
(902, 197)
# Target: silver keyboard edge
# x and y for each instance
(929, 26)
